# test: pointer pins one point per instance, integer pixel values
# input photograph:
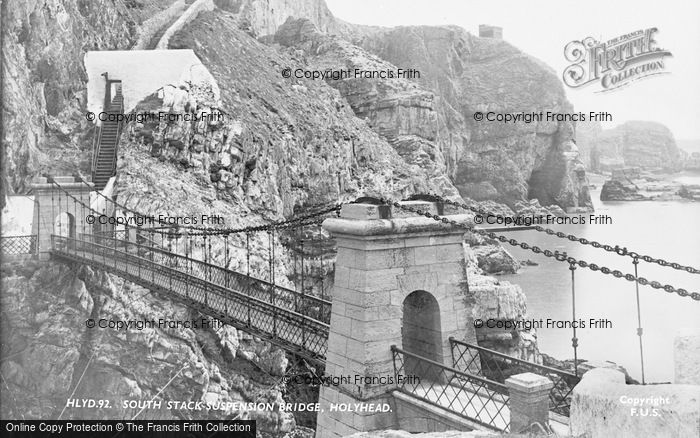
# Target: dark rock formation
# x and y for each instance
(691, 192)
(616, 190)
(644, 144)
(692, 162)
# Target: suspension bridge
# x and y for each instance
(178, 261)
(397, 305)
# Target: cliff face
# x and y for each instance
(649, 145)
(50, 354)
(284, 144)
(398, 110)
(43, 90)
(468, 75)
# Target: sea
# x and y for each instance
(661, 229)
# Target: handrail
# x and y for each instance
(470, 376)
(464, 394)
(297, 315)
(498, 366)
(120, 126)
(314, 298)
(17, 245)
(511, 358)
(97, 141)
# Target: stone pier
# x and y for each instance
(399, 280)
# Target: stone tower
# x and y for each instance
(399, 280)
(57, 213)
(488, 31)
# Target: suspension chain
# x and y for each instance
(288, 223)
(559, 256)
(616, 249)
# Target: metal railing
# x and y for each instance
(498, 367)
(240, 304)
(308, 305)
(115, 105)
(18, 245)
(472, 397)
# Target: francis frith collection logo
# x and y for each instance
(614, 63)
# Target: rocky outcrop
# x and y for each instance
(692, 162)
(43, 104)
(632, 184)
(490, 160)
(615, 190)
(51, 354)
(297, 141)
(400, 111)
(644, 144)
(263, 18)
(500, 301)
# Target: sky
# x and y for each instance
(542, 28)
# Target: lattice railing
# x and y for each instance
(465, 394)
(186, 280)
(309, 305)
(18, 245)
(498, 367)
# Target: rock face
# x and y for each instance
(398, 110)
(490, 160)
(43, 104)
(644, 144)
(632, 184)
(284, 144)
(615, 190)
(51, 352)
(500, 301)
(433, 124)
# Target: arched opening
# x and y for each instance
(421, 332)
(64, 225)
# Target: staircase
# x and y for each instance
(104, 159)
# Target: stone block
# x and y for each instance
(342, 273)
(450, 253)
(347, 296)
(425, 255)
(385, 259)
(529, 400)
(365, 211)
(382, 329)
(377, 299)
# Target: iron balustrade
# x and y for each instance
(167, 273)
(18, 245)
(475, 398)
(308, 305)
(498, 367)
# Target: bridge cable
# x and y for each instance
(209, 230)
(547, 253)
(616, 249)
(574, 339)
(639, 320)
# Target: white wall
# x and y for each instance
(142, 73)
